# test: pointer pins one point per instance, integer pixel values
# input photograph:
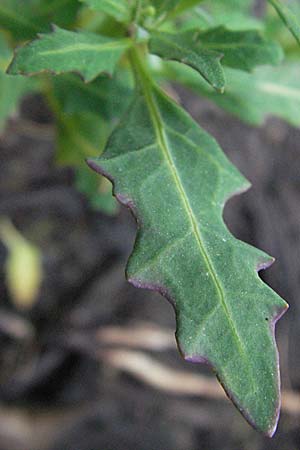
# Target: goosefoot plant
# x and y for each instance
(170, 173)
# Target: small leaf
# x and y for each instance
(183, 48)
(288, 17)
(268, 91)
(176, 180)
(119, 9)
(67, 51)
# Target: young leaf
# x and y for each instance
(288, 17)
(67, 51)
(184, 48)
(268, 91)
(176, 179)
(119, 9)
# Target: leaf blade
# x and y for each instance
(182, 48)
(68, 51)
(155, 159)
(11, 89)
(25, 19)
(288, 18)
(242, 50)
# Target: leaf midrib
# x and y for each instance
(87, 47)
(163, 144)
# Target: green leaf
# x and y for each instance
(182, 5)
(184, 48)
(288, 17)
(119, 9)
(66, 51)
(234, 14)
(97, 189)
(78, 136)
(11, 93)
(201, 50)
(268, 91)
(24, 19)
(176, 180)
(15, 18)
(165, 6)
(11, 89)
(107, 97)
(241, 49)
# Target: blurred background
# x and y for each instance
(87, 361)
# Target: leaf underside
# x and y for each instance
(175, 179)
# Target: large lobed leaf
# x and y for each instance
(175, 179)
(64, 51)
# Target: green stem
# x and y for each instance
(137, 13)
(141, 73)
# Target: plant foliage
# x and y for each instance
(109, 61)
